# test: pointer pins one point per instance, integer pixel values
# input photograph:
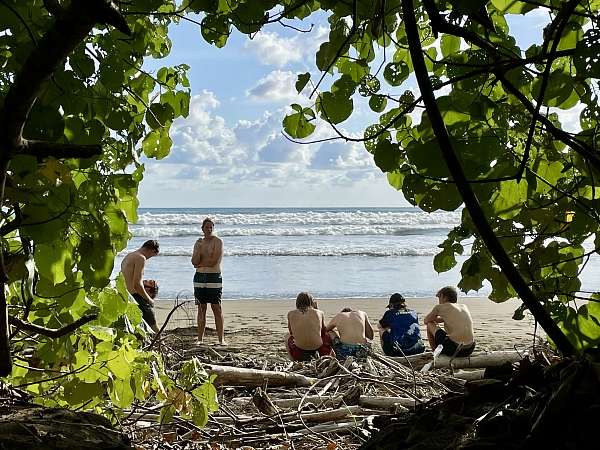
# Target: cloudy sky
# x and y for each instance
(230, 152)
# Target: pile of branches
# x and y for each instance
(270, 402)
(540, 406)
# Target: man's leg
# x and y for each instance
(201, 321)
(431, 330)
(219, 322)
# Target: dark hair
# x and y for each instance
(207, 220)
(151, 244)
(449, 292)
(304, 300)
(346, 309)
(397, 301)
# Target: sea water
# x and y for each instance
(330, 252)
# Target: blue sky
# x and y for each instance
(230, 151)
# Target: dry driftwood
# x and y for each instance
(470, 375)
(237, 376)
(476, 360)
(367, 401)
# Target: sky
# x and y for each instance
(230, 150)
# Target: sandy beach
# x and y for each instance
(262, 323)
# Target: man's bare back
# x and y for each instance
(457, 321)
(306, 326)
(132, 268)
(353, 327)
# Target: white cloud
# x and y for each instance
(208, 150)
(273, 49)
(277, 86)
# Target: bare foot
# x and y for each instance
(198, 342)
(223, 343)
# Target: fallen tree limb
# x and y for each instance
(236, 376)
(475, 361)
(367, 401)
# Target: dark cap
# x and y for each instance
(396, 299)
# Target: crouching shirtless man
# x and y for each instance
(456, 338)
(308, 336)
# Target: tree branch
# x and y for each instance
(42, 150)
(50, 332)
(68, 31)
(554, 33)
(471, 202)
(579, 147)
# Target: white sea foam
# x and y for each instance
(296, 218)
(324, 230)
(308, 251)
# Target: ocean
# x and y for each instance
(330, 252)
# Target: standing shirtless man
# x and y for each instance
(132, 268)
(208, 284)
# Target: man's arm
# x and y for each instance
(196, 257)
(433, 316)
(331, 324)
(369, 333)
(289, 326)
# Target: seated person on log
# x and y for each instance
(351, 333)
(456, 337)
(399, 329)
(308, 337)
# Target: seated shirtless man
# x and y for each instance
(307, 330)
(355, 332)
(457, 335)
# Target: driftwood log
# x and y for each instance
(237, 376)
(475, 361)
(367, 401)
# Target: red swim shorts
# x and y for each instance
(299, 354)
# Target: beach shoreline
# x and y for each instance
(249, 321)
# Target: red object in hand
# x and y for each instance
(151, 287)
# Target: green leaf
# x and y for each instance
(157, 144)
(334, 108)
(509, 199)
(303, 79)
(449, 44)
(387, 156)
(378, 103)
(53, 261)
(297, 125)
(396, 72)
(444, 261)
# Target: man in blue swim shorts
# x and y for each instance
(354, 332)
(208, 283)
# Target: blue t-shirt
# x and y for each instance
(404, 325)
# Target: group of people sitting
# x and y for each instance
(349, 333)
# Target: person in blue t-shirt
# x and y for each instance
(399, 329)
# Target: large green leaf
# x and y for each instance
(334, 107)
